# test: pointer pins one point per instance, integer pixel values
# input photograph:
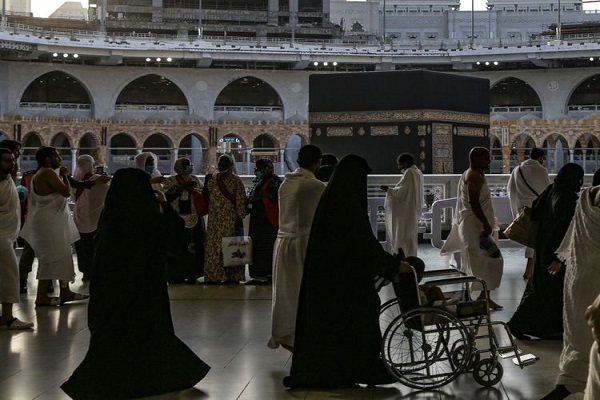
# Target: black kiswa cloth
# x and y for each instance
(133, 349)
(338, 337)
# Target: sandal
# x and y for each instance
(74, 297)
(53, 302)
(16, 324)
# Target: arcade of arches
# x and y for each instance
(153, 114)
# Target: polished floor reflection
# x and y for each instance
(228, 327)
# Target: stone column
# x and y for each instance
(506, 159)
(174, 156)
(281, 161)
(248, 156)
(210, 161)
(73, 159)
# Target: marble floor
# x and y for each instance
(228, 327)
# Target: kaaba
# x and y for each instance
(436, 117)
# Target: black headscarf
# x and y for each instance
(130, 194)
(569, 178)
(348, 183)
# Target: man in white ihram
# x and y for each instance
(474, 216)
(403, 206)
(50, 229)
(299, 195)
(10, 220)
(525, 184)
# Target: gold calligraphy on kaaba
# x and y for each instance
(470, 131)
(356, 117)
(339, 131)
(384, 130)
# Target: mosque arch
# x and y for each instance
(149, 91)
(265, 141)
(249, 91)
(513, 92)
(557, 152)
(122, 149)
(520, 149)
(233, 144)
(194, 147)
(586, 95)
(292, 146)
(495, 154)
(29, 145)
(89, 145)
(62, 143)
(57, 87)
(586, 151)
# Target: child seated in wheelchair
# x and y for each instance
(428, 294)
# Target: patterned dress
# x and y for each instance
(221, 223)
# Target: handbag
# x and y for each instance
(523, 229)
(237, 251)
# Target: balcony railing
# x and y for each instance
(55, 106)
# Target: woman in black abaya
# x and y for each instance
(337, 328)
(540, 312)
(133, 349)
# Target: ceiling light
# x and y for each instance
(315, 63)
(591, 58)
(495, 62)
(54, 54)
(335, 63)
(478, 63)
(75, 55)
(148, 59)
(169, 59)
(325, 63)
(487, 63)
(157, 59)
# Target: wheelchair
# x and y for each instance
(427, 347)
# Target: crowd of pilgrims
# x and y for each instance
(314, 220)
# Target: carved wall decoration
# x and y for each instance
(422, 130)
(407, 130)
(361, 130)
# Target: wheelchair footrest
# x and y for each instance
(526, 360)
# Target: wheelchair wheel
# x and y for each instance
(487, 372)
(460, 352)
(387, 313)
(416, 348)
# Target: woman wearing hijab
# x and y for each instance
(338, 337)
(133, 349)
(147, 161)
(226, 207)
(540, 313)
(264, 221)
(185, 261)
(86, 213)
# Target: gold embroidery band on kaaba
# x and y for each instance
(352, 117)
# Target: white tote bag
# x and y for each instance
(237, 251)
